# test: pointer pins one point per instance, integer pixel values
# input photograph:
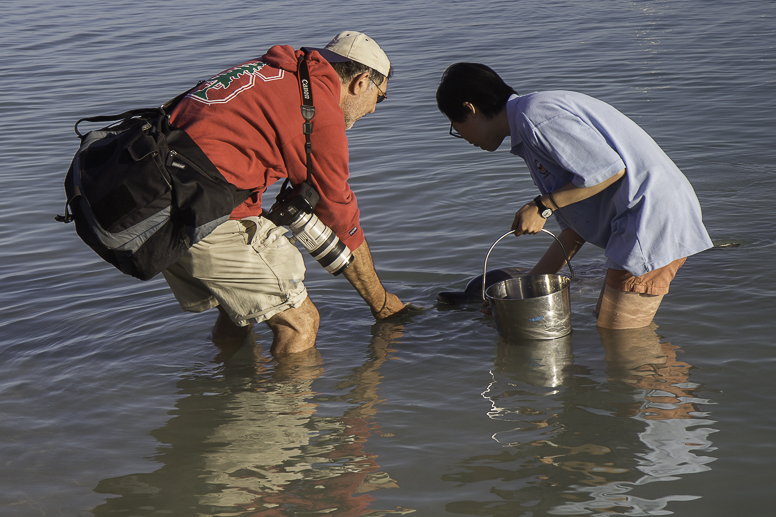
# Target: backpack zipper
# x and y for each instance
(173, 154)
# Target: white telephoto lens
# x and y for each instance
(322, 243)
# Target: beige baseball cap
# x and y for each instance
(357, 46)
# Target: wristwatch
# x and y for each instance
(543, 210)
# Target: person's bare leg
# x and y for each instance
(600, 297)
(295, 329)
(225, 327)
(227, 336)
(620, 310)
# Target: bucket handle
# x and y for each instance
(485, 265)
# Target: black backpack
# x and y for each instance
(141, 192)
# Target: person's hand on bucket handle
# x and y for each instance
(528, 220)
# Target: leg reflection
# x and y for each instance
(249, 437)
(583, 441)
(637, 358)
(665, 401)
(650, 385)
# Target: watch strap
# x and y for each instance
(543, 210)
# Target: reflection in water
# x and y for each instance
(539, 363)
(578, 447)
(247, 440)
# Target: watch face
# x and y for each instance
(547, 213)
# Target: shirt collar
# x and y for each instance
(514, 132)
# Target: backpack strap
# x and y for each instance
(164, 109)
(146, 113)
(68, 217)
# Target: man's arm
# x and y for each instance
(528, 220)
(553, 259)
(363, 277)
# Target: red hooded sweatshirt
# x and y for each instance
(248, 121)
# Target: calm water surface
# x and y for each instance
(116, 403)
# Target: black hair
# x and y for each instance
(473, 83)
(349, 69)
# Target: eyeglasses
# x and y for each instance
(453, 132)
(381, 96)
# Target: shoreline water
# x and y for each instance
(117, 402)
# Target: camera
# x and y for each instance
(294, 208)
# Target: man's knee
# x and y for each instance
(295, 329)
(309, 318)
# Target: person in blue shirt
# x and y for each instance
(603, 178)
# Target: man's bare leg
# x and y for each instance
(227, 336)
(294, 329)
(225, 327)
(620, 310)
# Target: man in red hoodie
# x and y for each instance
(248, 121)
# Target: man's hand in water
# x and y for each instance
(363, 277)
(393, 308)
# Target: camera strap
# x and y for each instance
(308, 112)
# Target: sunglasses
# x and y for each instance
(381, 96)
(453, 132)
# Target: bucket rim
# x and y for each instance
(565, 281)
(487, 255)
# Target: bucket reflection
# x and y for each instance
(538, 362)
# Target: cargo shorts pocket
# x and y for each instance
(281, 257)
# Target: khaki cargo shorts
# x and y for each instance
(248, 267)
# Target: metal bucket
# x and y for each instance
(530, 307)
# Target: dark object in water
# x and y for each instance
(727, 244)
(473, 291)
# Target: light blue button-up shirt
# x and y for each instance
(643, 222)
